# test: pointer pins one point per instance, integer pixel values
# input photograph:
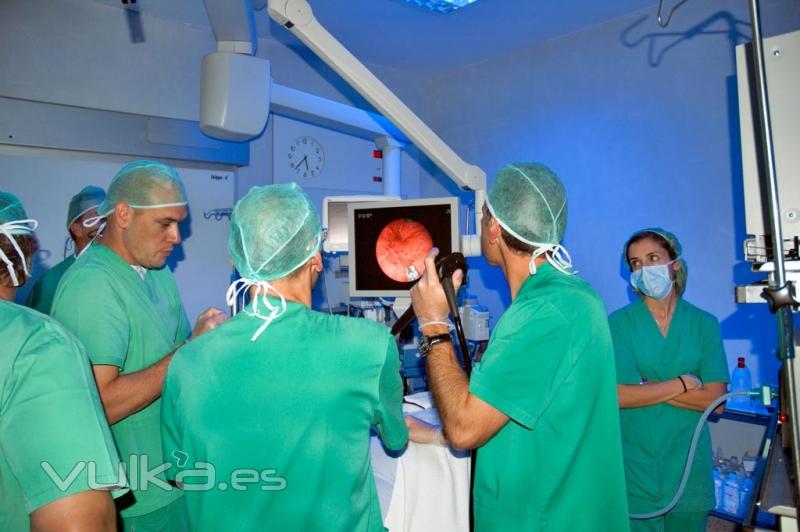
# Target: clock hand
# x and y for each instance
(305, 160)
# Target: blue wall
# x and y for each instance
(641, 123)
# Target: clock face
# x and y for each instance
(306, 158)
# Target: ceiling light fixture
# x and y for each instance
(442, 6)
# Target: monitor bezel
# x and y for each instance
(342, 247)
(455, 236)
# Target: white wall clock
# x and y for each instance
(306, 157)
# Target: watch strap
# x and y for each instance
(429, 341)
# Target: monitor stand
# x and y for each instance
(401, 304)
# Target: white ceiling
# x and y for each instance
(395, 33)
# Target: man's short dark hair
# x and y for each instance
(514, 243)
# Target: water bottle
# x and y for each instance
(749, 462)
(718, 455)
(719, 472)
(740, 382)
(746, 494)
(718, 496)
(730, 490)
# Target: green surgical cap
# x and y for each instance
(274, 230)
(144, 185)
(529, 201)
(674, 245)
(11, 210)
(89, 198)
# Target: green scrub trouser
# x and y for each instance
(672, 522)
(170, 518)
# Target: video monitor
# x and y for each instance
(334, 219)
(390, 240)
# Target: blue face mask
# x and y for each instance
(653, 281)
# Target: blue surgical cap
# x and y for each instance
(91, 197)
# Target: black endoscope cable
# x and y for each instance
(449, 292)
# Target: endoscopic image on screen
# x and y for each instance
(401, 249)
(392, 243)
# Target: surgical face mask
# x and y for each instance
(653, 281)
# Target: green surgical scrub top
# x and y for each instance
(50, 417)
(128, 322)
(549, 366)
(41, 295)
(656, 438)
(284, 422)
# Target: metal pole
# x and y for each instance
(784, 313)
(768, 151)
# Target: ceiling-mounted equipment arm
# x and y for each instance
(297, 17)
(234, 28)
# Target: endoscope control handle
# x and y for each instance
(446, 266)
(450, 294)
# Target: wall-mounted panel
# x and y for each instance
(46, 125)
(347, 162)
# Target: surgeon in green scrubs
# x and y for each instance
(541, 406)
(82, 206)
(267, 418)
(670, 366)
(51, 421)
(122, 303)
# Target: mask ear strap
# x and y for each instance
(236, 288)
(21, 226)
(558, 257)
(274, 311)
(96, 234)
(242, 284)
(94, 220)
(10, 267)
(561, 260)
(21, 257)
(535, 255)
(68, 245)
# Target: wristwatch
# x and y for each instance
(427, 342)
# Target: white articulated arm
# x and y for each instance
(296, 15)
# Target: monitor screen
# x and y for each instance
(389, 242)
